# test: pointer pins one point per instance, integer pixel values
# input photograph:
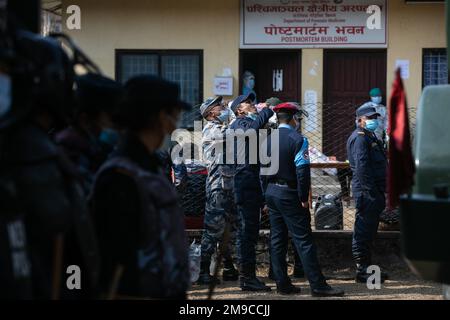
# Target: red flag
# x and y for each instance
(401, 163)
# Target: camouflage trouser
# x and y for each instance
(220, 209)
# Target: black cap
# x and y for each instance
(250, 96)
(145, 96)
(366, 111)
(97, 93)
(154, 91)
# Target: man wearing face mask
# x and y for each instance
(368, 164)
(91, 137)
(287, 198)
(249, 85)
(273, 124)
(139, 222)
(220, 208)
(247, 184)
(376, 97)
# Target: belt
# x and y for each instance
(284, 183)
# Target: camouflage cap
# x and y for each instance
(273, 102)
(208, 104)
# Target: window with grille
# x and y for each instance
(435, 67)
(180, 66)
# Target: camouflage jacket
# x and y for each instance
(220, 174)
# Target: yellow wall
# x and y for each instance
(412, 28)
(213, 25)
(161, 24)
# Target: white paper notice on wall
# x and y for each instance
(404, 68)
(223, 86)
(310, 106)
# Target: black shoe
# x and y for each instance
(206, 279)
(298, 273)
(230, 274)
(253, 284)
(288, 290)
(327, 291)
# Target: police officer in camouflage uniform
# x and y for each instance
(220, 211)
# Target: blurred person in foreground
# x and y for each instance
(139, 222)
(91, 137)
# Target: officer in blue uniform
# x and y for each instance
(368, 164)
(287, 198)
(248, 192)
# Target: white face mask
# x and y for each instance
(273, 119)
(5, 94)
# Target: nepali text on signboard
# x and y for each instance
(313, 24)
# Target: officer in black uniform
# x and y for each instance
(287, 198)
(248, 192)
(139, 221)
(368, 164)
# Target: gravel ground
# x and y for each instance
(402, 286)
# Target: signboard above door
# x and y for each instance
(268, 24)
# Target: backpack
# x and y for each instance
(329, 213)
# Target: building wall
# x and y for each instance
(413, 27)
(213, 25)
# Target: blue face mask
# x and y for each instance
(251, 83)
(109, 137)
(252, 116)
(224, 115)
(372, 125)
(377, 100)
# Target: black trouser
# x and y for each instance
(369, 206)
(297, 261)
(248, 195)
(287, 215)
